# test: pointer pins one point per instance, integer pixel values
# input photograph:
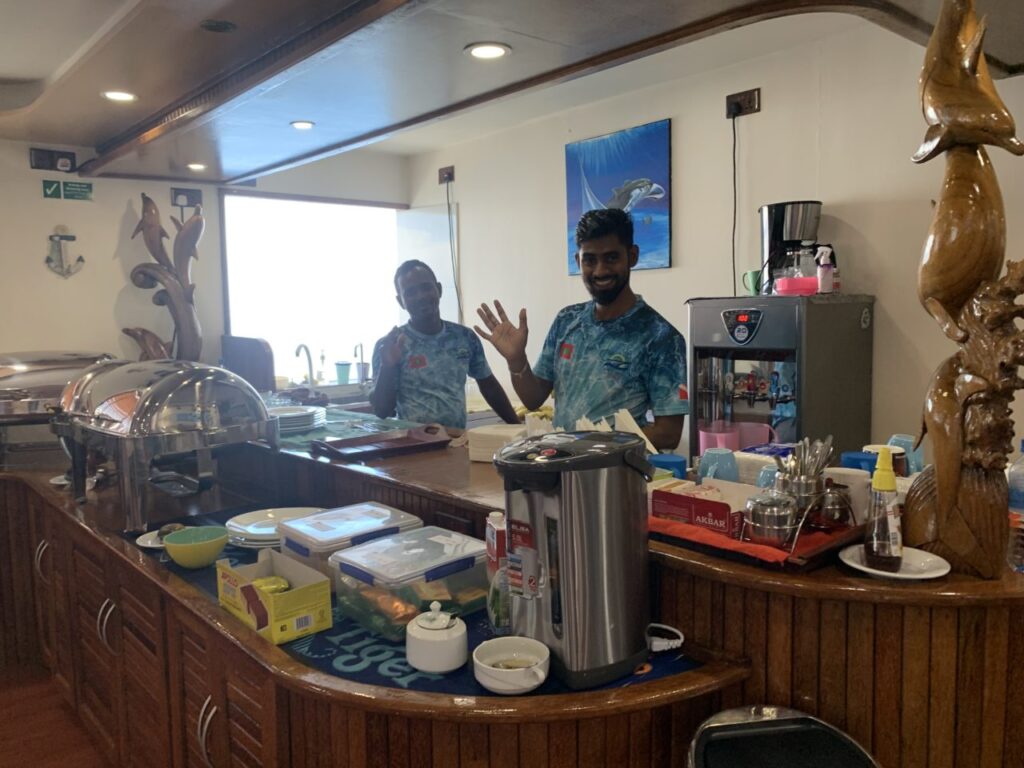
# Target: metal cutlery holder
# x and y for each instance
(161, 423)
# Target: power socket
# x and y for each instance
(446, 174)
(743, 103)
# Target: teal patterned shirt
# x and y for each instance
(432, 374)
(636, 362)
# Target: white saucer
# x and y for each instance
(261, 525)
(917, 564)
(62, 482)
(150, 540)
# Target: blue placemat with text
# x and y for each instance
(354, 653)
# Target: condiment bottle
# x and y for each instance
(825, 274)
(883, 540)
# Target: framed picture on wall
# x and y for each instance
(629, 169)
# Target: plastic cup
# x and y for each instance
(342, 370)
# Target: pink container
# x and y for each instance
(753, 433)
(719, 434)
(796, 286)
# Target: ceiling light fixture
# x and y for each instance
(487, 50)
(302, 125)
(123, 96)
(196, 167)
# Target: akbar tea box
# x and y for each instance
(716, 505)
(279, 611)
(384, 583)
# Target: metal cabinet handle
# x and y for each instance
(204, 733)
(40, 551)
(99, 617)
(200, 731)
(103, 627)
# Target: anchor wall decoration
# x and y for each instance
(57, 258)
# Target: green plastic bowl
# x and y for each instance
(196, 547)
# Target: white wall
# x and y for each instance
(39, 310)
(839, 122)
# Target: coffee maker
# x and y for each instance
(576, 527)
(788, 235)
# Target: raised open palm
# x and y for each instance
(508, 339)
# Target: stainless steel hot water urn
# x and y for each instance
(576, 507)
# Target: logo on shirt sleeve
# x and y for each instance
(565, 351)
(683, 392)
(617, 362)
(417, 361)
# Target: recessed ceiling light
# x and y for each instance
(487, 50)
(302, 125)
(196, 167)
(119, 96)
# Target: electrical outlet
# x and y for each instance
(446, 174)
(743, 103)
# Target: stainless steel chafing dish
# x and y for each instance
(30, 385)
(161, 422)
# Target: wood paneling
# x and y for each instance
(916, 685)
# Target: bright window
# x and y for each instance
(314, 273)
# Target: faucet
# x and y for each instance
(362, 372)
(309, 361)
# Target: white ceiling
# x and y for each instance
(370, 69)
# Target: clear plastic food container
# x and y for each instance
(387, 582)
(312, 540)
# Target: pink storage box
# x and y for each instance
(796, 286)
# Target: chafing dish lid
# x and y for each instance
(160, 397)
(42, 375)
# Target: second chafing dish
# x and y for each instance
(160, 421)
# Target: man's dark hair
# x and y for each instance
(409, 266)
(605, 221)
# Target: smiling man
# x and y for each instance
(420, 368)
(603, 355)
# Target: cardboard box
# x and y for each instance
(723, 514)
(301, 610)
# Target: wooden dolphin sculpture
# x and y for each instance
(150, 344)
(958, 98)
(152, 230)
(186, 248)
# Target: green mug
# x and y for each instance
(752, 282)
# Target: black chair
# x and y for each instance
(773, 737)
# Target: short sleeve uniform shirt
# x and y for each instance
(432, 374)
(636, 361)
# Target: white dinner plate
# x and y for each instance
(295, 411)
(917, 564)
(150, 540)
(261, 525)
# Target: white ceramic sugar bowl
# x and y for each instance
(436, 641)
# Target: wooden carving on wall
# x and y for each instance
(958, 507)
(175, 275)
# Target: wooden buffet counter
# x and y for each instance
(927, 674)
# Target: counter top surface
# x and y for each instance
(97, 514)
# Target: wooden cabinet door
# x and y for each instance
(41, 537)
(145, 712)
(250, 714)
(96, 665)
(18, 643)
(196, 693)
(55, 563)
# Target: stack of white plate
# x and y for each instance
(258, 530)
(293, 419)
